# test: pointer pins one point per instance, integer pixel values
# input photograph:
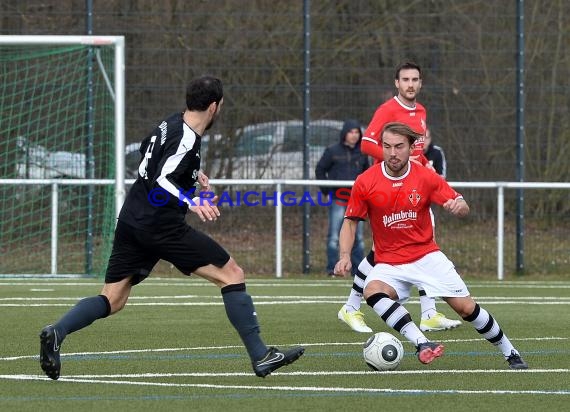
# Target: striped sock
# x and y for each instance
(397, 317)
(487, 326)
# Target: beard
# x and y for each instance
(396, 168)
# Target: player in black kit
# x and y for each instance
(151, 226)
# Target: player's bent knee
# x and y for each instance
(234, 273)
(376, 286)
(463, 306)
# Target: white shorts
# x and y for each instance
(434, 273)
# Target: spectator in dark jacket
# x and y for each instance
(342, 161)
(435, 155)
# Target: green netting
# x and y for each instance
(56, 122)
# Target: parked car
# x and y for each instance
(272, 150)
(36, 162)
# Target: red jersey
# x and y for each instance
(393, 110)
(398, 209)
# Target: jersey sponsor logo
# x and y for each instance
(414, 197)
(397, 184)
(399, 217)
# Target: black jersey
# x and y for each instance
(159, 198)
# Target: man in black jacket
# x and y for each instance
(435, 155)
(342, 161)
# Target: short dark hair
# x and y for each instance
(403, 130)
(406, 66)
(202, 92)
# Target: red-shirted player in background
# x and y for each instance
(405, 109)
(396, 196)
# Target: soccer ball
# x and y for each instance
(383, 352)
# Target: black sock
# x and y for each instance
(83, 314)
(241, 313)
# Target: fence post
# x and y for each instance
(500, 230)
(54, 222)
(278, 234)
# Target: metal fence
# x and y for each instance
(260, 226)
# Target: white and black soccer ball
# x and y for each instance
(383, 352)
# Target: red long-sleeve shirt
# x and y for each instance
(394, 110)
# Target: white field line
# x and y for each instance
(297, 388)
(341, 283)
(43, 279)
(274, 301)
(210, 348)
(315, 373)
(273, 297)
(298, 373)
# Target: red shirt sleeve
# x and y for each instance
(372, 138)
(443, 191)
(357, 207)
(373, 149)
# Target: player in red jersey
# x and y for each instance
(405, 109)
(395, 196)
(401, 108)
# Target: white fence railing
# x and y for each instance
(279, 186)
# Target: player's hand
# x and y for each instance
(343, 266)
(457, 207)
(205, 208)
(416, 160)
(429, 165)
(204, 182)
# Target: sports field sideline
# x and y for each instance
(173, 348)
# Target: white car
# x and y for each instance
(272, 150)
(37, 162)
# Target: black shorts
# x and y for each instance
(136, 251)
